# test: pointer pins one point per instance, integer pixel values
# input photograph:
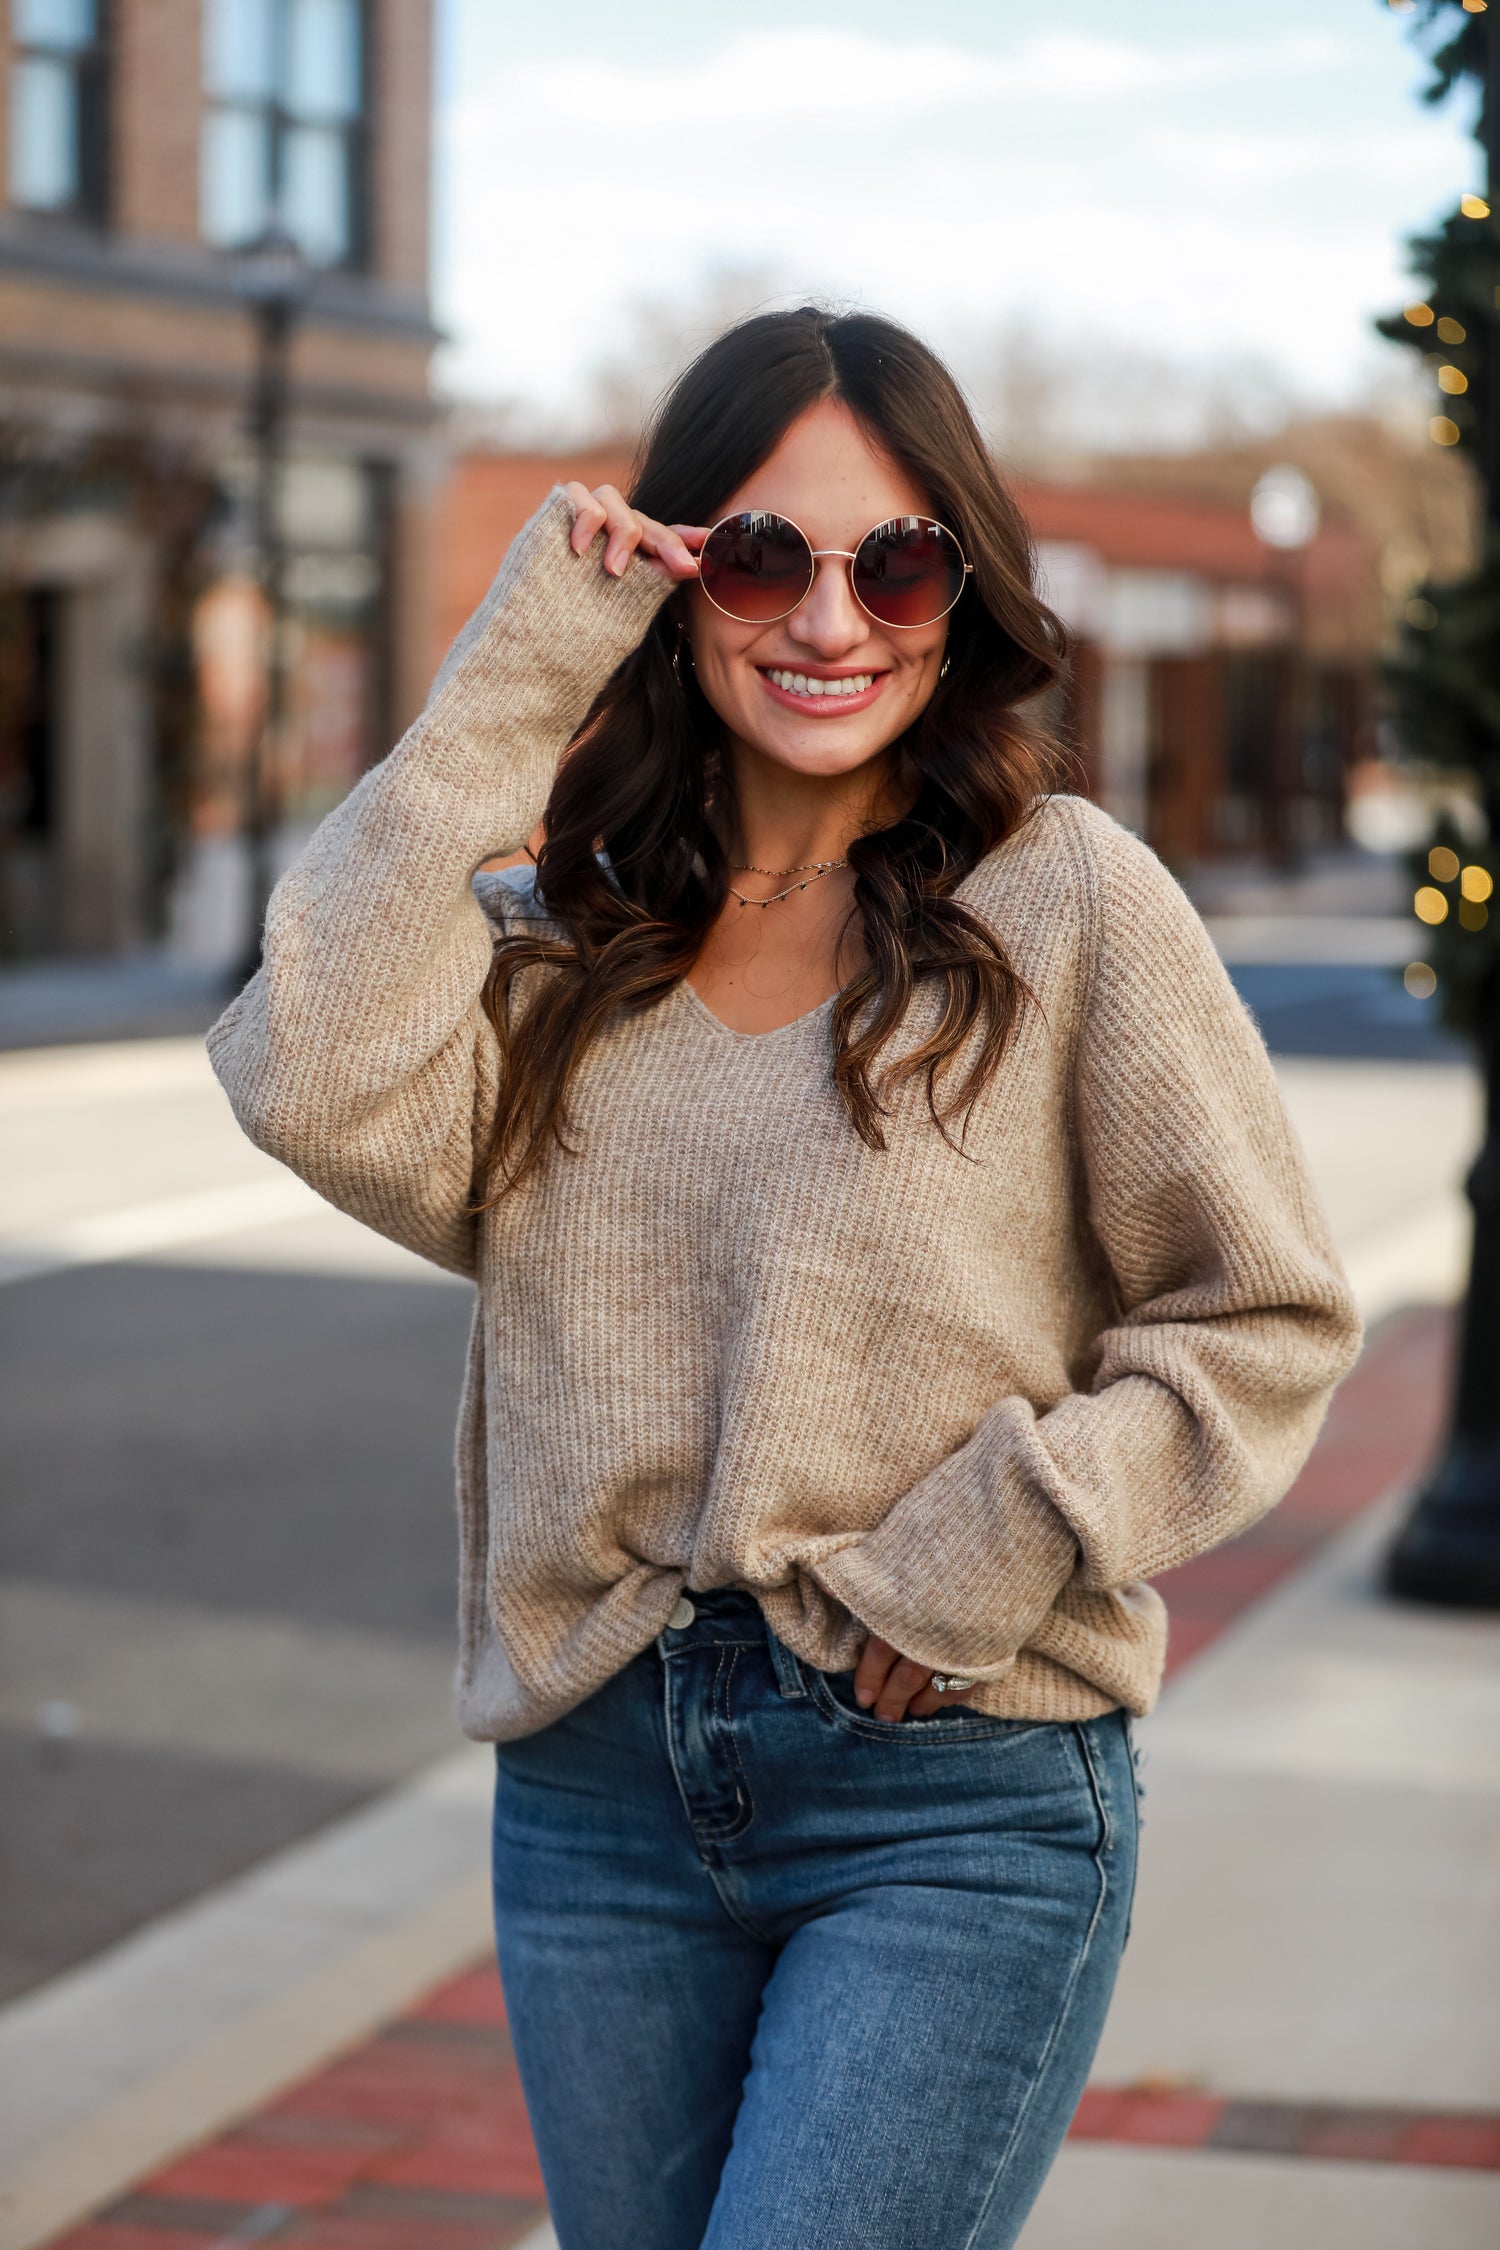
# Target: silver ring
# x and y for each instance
(950, 1683)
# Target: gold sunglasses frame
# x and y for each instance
(846, 554)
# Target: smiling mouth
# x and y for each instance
(825, 693)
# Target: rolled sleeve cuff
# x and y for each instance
(963, 1569)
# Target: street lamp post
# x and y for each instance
(1284, 513)
(273, 280)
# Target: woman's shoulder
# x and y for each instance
(1070, 878)
(1073, 850)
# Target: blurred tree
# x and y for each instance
(1051, 400)
(1445, 684)
(662, 333)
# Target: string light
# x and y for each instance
(1473, 207)
(1419, 980)
(1452, 331)
(1442, 431)
(1420, 316)
(1475, 7)
(1473, 916)
(1430, 906)
(1476, 883)
(1442, 864)
(1453, 380)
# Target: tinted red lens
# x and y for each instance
(757, 567)
(909, 571)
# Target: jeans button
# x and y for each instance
(682, 1616)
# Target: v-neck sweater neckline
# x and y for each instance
(715, 1022)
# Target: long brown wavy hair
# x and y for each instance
(635, 865)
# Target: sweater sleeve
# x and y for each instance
(1232, 1322)
(359, 1053)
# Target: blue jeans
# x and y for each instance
(783, 1976)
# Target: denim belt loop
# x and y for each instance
(787, 1669)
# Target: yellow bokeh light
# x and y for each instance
(1453, 380)
(1442, 431)
(1419, 980)
(1473, 207)
(1442, 865)
(1430, 905)
(1472, 915)
(1475, 7)
(1476, 883)
(1452, 331)
(1420, 316)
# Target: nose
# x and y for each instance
(830, 622)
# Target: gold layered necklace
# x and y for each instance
(813, 869)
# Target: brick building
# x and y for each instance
(145, 147)
(1219, 690)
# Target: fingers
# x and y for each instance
(588, 516)
(604, 510)
(667, 544)
(887, 1681)
(669, 547)
(873, 1670)
(904, 1681)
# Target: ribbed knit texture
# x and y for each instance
(970, 1399)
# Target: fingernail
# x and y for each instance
(864, 1697)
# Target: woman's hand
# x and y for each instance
(668, 549)
(894, 1686)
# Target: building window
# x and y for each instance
(57, 145)
(283, 129)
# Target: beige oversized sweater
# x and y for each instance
(970, 1401)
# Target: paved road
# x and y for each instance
(226, 1533)
(226, 1536)
(1341, 1008)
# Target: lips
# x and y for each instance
(823, 695)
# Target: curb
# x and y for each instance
(198, 2018)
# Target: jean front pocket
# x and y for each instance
(832, 1695)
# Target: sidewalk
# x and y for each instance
(1301, 2049)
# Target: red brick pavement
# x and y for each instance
(417, 2139)
(1382, 1427)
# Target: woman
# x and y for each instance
(891, 1250)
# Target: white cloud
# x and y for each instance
(1171, 195)
(839, 79)
(1420, 153)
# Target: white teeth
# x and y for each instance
(802, 683)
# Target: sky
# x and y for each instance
(1206, 182)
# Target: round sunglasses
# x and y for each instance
(760, 566)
